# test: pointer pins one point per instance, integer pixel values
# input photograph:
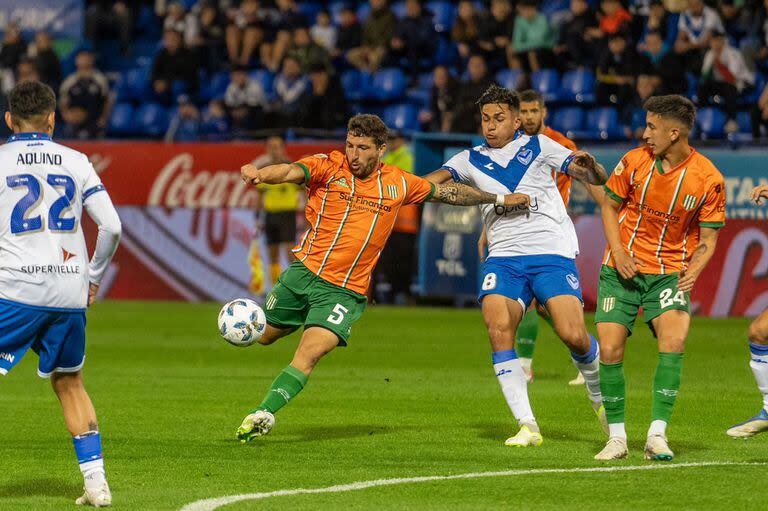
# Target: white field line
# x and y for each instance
(214, 503)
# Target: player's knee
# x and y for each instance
(499, 332)
(610, 354)
(63, 383)
(758, 332)
(672, 343)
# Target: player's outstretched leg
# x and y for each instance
(525, 341)
(758, 347)
(315, 343)
(613, 337)
(501, 316)
(80, 418)
(543, 314)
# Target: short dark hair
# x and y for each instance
(499, 95)
(530, 96)
(31, 100)
(368, 125)
(672, 106)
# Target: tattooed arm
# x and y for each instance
(463, 195)
(586, 169)
(699, 260)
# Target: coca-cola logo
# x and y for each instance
(179, 184)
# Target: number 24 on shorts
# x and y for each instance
(666, 299)
(337, 316)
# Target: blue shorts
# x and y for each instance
(56, 335)
(523, 278)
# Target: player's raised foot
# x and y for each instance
(615, 449)
(96, 497)
(579, 380)
(258, 423)
(529, 435)
(751, 427)
(657, 449)
(599, 409)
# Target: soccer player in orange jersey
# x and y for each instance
(758, 347)
(663, 207)
(352, 202)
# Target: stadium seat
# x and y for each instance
(121, 120)
(711, 122)
(753, 96)
(399, 9)
(443, 15)
(133, 84)
(355, 84)
(447, 53)
(578, 87)
(638, 119)
(215, 87)
(745, 122)
(310, 10)
(509, 78)
(265, 78)
(363, 11)
(547, 82)
(568, 120)
(152, 119)
(387, 85)
(403, 117)
(603, 124)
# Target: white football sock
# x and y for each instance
(526, 363)
(93, 473)
(759, 365)
(617, 430)
(515, 389)
(589, 366)
(658, 427)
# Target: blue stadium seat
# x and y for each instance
(399, 9)
(509, 78)
(133, 84)
(363, 11)
(753, 96)
(387, 85)
(447, 53)
(403, 117)
(179, 87)
(603, 124)
(638, 119)
(568, 120)
(444, 14)
(310, 10)
(121, 120)
(265, 78)
(745, 122)
(355, 84)
(578, 86)
(711, 122)
(152, 119)
(547, 82)
(215, 87)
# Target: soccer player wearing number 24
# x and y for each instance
(46, 281)
(352, 203)
(663, 207)
(531, 251)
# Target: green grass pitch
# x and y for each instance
(413, 395)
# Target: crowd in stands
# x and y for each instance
(222, 69)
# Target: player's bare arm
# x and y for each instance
(626, 265)
(699, 260)
(272, 174)
(439, 177)
(587, 169)
(759, 193)
(463, 195)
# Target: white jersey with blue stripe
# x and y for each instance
(522, 166)
(43, 255)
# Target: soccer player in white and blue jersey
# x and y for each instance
(46, 279)
(532, 250)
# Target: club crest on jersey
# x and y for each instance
(66, 256)
(689, 202)
(609, 302)
(392, 191)
(342, 181)
(573, 281)
(525, 156)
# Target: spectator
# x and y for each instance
(579, 36)
(287, 18)
(291, 86)
(415, 38)
(46, 60)
(615, 72)
(26, 71)
(495, 34)
(245, 100)
(211, 38)
(725, 74)
(85, 100)
(326, 106)
(657, 21)
(760, 35)
(105, 19)
(186, 24)
(245, 32)
(442, 101)
(660, 61)
(645, 87)
(307, 52)
(614, 19)
(533, 39)
(466, 29)
(174, 69)
(215, 125)
(377, 33)
(323, 32)
(466, 115)
(185, 125)
(695, 28)
(13, 50)
(760, 116)
(735, 20)
(350, 32)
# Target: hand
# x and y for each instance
(92, 290)
(626, 265)
(250, 174)
(517, 200)
(760, 192)
(686, 280)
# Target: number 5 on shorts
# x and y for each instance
(339, 310)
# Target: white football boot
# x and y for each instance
(579, 380)
(656, 448)
(97, 497)
(529, 435)
(599, 409)
(258, 423)
(615, 449)
(751, 427)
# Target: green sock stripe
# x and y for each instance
(303, 378)
(666, 385)
(612, 387)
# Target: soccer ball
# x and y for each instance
(242, 322)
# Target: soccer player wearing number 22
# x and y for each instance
(532, 249)
(46, 281)
(352, 202)
(663, 207)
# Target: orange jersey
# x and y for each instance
(350, 219)
(661, 212)
(563, 180)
